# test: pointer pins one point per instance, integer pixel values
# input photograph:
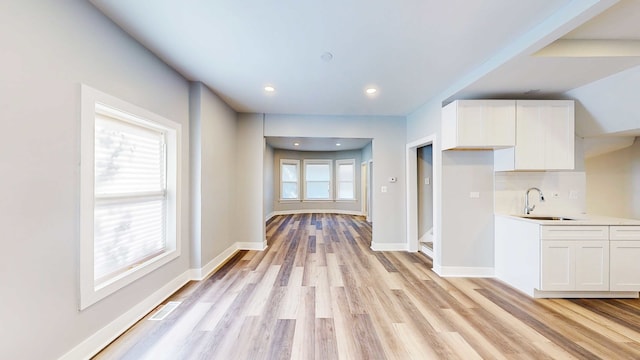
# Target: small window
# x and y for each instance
(317, 179)
(129, 194)
(345, 170)
(289, 179)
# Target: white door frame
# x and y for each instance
(370, 191)
(412, 194)
(364, 174)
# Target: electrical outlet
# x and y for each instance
(427, 181)
(474, 195)
(383, 189)
(573, 194)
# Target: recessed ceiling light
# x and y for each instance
(269, 88)
(371, 91)
(338, 144)
(326, 56)
(296, 144)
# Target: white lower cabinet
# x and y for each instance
(568, 260)
(575, 265)
(574, 258)
(625, 258)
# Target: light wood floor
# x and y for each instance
(319, 292)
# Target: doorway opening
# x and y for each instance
(423, 197)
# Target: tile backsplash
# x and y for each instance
(564, 192)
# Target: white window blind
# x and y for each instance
(289, 179)
(317, 174)
(346, 175)
(130, 195)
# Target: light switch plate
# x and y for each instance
(383, 189)
(474, 195)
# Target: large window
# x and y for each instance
(317, 180)
(289, 179)
(345, 173)
(129, 217)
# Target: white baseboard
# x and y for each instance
(316, 211)
(260, 246)
(389, 246)
(462, 271)
(96, 342)
(213, 265)
(269, 216)
(586, 294)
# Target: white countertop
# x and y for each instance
(577, 219)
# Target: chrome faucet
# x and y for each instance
(527, 209)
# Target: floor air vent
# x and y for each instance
(164, 311)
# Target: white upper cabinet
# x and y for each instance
(479, 124)
(544, 137)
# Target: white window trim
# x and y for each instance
(304, 181)
(89, 292)
(351, 162)
(297, 164)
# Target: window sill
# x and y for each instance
(92, 293)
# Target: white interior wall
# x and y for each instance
(49, 49)
(388, 134)
(613, 183)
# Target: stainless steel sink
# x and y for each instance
(556, 218)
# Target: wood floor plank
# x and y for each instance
(319, 292)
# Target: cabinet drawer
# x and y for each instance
(624, 233)
(579, 232)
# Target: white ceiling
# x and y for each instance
(554, 75)
(410, 50)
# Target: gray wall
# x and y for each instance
(215, 143)
(249, 159)
(425, 191)
(289, 205)
(367, 152)
(388, 152)
(467, 223)
(268, 180)
(613, 183)
(49, 48)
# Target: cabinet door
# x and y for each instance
(625, 265)
(478, 124)
(557, 265)
(545, 135)
(592, 265)
(559, 138)
(529, 150)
